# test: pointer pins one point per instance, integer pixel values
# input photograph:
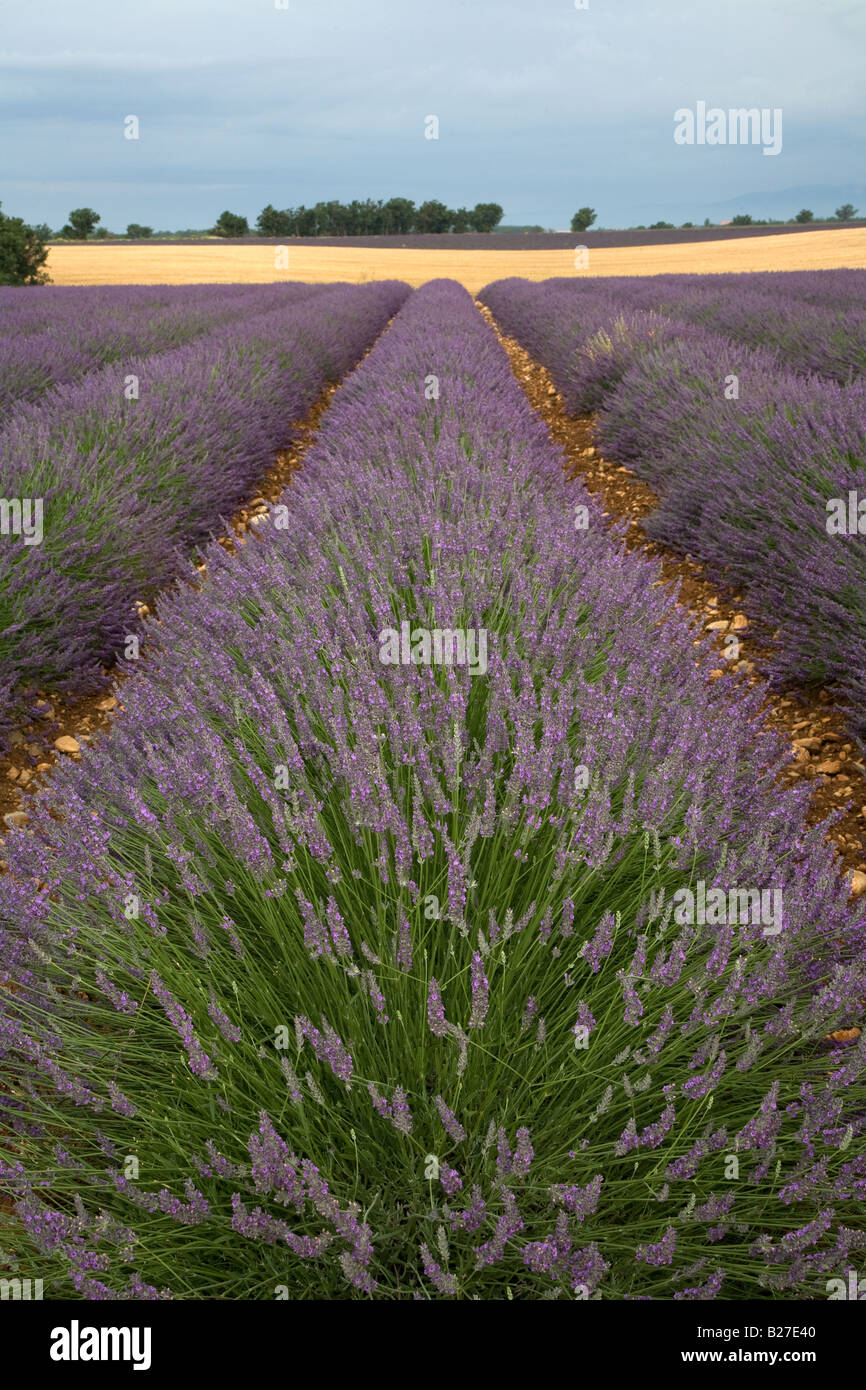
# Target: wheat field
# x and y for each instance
(95, 264)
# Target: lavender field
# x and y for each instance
(742, 402)
(429, 924)
(123, 467)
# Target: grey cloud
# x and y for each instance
(541, 106)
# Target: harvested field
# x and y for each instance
(93, 264)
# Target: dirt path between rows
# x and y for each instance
(825, 753)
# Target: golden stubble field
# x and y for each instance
(95, 264)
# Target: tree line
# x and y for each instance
(846, 213)
(372, 217)
(23, 250)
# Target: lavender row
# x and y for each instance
(760, 470)
(23, 311)
(346, 968)
(109, 479)
(73, 331)
(818, 325)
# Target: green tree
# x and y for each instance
(846, 213)
(373, 217)
(135, 229)
(582, 219)
(306, 221)
(805, 215)
(22, 253)
(461, 220)
(231, 224)
(272, 222)
(742, 219)
(398, 215)
(433, 216)
(81, 224)
(485, 216)
(660, 226)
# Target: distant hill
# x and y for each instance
(823, 201)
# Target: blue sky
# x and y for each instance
(542, 107)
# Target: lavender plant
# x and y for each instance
(333, 976)
(141, 460)
(815, 322)
(746, 453)
(75, 330)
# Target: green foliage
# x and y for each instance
(433, 216)
(396, 217)
(271, 222)
(485, 216)
(399, 215)
(81, 224)
(521, 1071)
(583, 218)
(231, 224)
(306, 222)
(846, 213)
(805, 215)
(135, 229)
(742, 219)
(22, 253)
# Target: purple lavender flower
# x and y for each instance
(450, 1179)
(451, 1123)
(445, 1283)
(229, 1030)
(401, 1118)
(599, 948)
(509, 1224)
(662, 1252)
(436, 1011)
(200, 1063)
(404, 946)
(480, 993)
(579, 1201)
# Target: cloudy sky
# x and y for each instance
(542, 107)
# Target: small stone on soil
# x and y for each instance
(67, 744)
